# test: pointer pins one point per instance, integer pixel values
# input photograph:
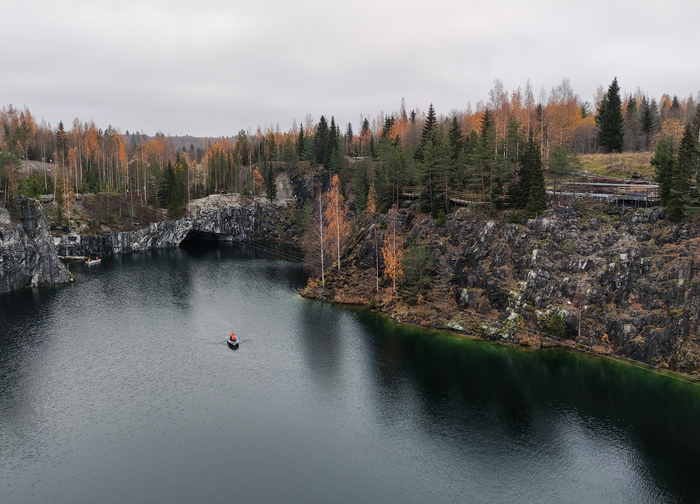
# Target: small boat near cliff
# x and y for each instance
(232, 342)
(90, 262)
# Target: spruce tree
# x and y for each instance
(561, 164)
(695, 121)
(675, 111)
(288, 152)
(646, 125)
(348, 140)
(426, 134)
(682, 174)
(664, 161)
(388, 124)
(321, 140)
(512, 148)
(436, 176)
(458, 155)
(270, 184)
(359, 184)
(631, 126)
(520, 189)
(365, 133)
(536, 193)
(456, 138)
(610, 121)
(301, 141)
(330, 156)
(487, 160)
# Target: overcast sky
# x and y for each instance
(212, 68)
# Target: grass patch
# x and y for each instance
(624, 165)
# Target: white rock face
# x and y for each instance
(28, 255)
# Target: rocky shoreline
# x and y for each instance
(28, 255)
(620, 282)
(623, 282)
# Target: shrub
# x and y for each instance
(556, 325)
(441, 219)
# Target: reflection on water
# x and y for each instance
(120, 387)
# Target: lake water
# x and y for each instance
(120, 388)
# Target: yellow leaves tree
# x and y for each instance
(68, 201)
(258, 181)
(671, 128)
(563, 114)
(73, 163)
(371, 201)
(392, 250)
(337, 217)
(91, 143)
(123, 160)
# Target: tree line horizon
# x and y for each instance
(492, 155)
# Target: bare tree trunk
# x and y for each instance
(320, 233)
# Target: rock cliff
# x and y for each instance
(236, 222)
(618, 281)
(28, 255)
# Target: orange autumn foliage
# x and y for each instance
(336, 214)
(392, 250)
(258, 180)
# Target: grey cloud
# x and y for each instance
(215, 67)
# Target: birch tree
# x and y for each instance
(392, 250)
(315, 239)
(336, 214)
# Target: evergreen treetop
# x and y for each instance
(610, 120)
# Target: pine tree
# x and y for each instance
(610, 121)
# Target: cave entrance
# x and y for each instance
(199, 239)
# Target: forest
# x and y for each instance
(502, 152)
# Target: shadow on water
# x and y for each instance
(521, 394)
(272, 264)
(318, 326)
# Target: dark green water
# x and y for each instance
(119, 388)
